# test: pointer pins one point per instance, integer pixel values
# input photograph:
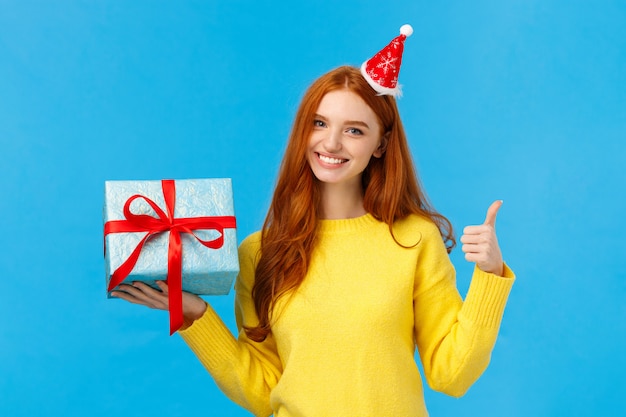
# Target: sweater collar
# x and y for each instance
(346, 225)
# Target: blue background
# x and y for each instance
(523, 100)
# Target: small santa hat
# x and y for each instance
(381, 71)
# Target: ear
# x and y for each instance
(382, 147)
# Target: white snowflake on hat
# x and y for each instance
(381, 71)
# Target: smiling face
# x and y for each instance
(346, 134)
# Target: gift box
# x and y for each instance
(181, 231)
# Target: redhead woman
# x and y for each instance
(349, 274)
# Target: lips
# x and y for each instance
(331, 160)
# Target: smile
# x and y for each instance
(329, 160)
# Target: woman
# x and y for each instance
(348, 275)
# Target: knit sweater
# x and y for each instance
(343, 343)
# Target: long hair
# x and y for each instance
(392, 192)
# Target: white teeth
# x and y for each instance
(329, 160)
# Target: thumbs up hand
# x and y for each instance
(480, 243)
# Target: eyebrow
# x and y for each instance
(347, 122)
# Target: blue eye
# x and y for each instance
(355, 131)
(319, 123)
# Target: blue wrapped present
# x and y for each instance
(181, 231)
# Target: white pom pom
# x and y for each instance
(406, 30)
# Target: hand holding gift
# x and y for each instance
(179, 232)
(141, 293)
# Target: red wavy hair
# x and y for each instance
(391, 192)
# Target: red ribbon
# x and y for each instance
(163, 223)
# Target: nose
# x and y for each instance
(332, 141)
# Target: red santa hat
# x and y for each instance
(381, 71)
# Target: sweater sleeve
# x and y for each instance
(455, 338)
(246, 371)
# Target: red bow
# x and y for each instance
(163, 223)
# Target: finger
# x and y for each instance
(472, 257)
(474, 238)
(492, 211)
(122, 294)
(477, 230)
(150, 292)
(163, 286)
(134, 290)
(147, 289)
(468, 249)
(145, 294)
(142, 294)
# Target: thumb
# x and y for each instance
(492, 211)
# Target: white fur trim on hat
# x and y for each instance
(382, 91)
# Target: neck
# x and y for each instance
(339, 202)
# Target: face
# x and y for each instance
(345, 137)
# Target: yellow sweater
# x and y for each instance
(343, 344)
